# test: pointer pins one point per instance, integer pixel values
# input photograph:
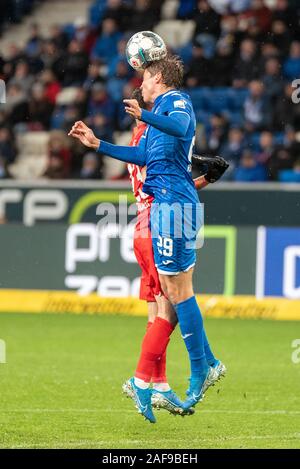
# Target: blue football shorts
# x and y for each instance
(174, 230)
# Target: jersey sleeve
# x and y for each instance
(135, 155)
(174, 117)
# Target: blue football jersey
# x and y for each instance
(169, 158)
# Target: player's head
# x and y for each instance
(161, 76)
(137, 94)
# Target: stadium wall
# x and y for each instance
(53, 260)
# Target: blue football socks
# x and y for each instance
(211, 359)
(191, 326)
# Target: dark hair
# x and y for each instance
(171, 69)
(137, 94)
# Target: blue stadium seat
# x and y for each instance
(218, 101)
(279, 138)
(199, 97)
(237, 98)
(235, 119)
(254, 141)
(69, 29)
(203, 117)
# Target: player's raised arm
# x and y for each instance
(135, 155)
(176, 125)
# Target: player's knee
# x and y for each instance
(172, 293)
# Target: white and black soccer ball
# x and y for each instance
(143, 48)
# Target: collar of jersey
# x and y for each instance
(161, 96)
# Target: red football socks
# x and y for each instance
(152, 362)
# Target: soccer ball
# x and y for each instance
(143, 48)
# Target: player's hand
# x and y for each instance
(213, 167)
(132, 107)
(83, 133)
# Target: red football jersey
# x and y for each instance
(135, 172)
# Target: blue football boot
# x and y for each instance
(198, 386)
(141, 397)
(220, 369)
(169, 401)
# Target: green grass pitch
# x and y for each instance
(61, 385)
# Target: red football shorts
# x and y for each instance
(142, 244)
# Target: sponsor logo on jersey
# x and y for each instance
(179, 103)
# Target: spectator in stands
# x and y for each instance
(59, 156)
(16, 107)
(229, 31)
(272, 79)
(285, 155)
(286, 112)
(287, 14)
(268, 51)
(55, 167)
(93, 75)
(121, 56)
(58, 37)
(146, 15)
(75, 64)
(249, 170)
(101, 103)
(120, 12)
(91, 166)
(234, 147)
(22, 77)
(256, 108)
(280, 36)
(199, 69)
(207, 20)
(106, 45)
(292, 64)
(217, 133)
(124, 121)
(53, 59)
(258, 14)
(267, 148)
(81, 102)
(39, 109)
(101, 126)
(71, 114)
(247, 64)
(51, 84)
(13, 56)
(116, 84)
(222, 65)
(34, 43)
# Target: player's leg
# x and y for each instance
(179, 290)
(153, 354)
(152, 362)
(165, 311)
(163, 397)
(135, 387)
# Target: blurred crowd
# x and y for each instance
(240, 67)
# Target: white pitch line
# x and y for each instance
(104, 444)
(206, 411)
